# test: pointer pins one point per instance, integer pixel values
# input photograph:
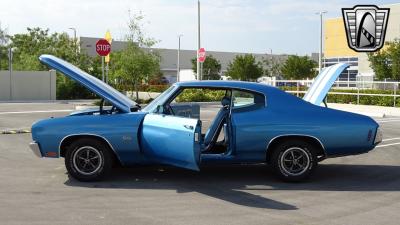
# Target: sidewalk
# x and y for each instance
(368, 110)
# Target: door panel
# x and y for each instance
(172, 140)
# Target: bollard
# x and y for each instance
(394, 94)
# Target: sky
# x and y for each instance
(252, 26)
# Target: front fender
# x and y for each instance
(120, 130)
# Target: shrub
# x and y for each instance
(352, 99)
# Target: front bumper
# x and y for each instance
(35, 149)
(378, 136)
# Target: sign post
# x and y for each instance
(201, 58)
(103, 48)
(107, 58)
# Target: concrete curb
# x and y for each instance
(368, 110)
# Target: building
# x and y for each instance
(169, 56)
(336, 48)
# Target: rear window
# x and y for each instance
(247, 100)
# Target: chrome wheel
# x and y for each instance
(87, 160)
(294, 161)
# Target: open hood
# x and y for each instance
(323, 82)
(102, 89)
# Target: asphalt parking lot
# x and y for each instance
(363, 189)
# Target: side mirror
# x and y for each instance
(160, 109)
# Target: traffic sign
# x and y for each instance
(103, 47)
(109, 39)
(202, 55)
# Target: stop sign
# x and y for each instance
(202, 55)
(103, 48)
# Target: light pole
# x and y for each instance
(320, 13)
(198, 41)
(75, 44)
(10, 58)
(178, 63)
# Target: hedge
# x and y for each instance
(352, 99)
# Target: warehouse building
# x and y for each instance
(169, 56)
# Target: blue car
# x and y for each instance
(203, 122)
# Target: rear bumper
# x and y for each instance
(35, 149)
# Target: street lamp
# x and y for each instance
(178, 64)
(320, 13)
(198, 41)
(75, 40)
(74, 29)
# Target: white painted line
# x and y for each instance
(28, 112)
(388, 118)
(385, 121)
(389, 139)
(380, 146)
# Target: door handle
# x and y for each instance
(188, 127)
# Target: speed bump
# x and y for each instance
(21, 131)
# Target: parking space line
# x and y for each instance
(386, 121)
(41, 111)
(380, 146)
(390, 139)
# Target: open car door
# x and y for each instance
(323, 82)
(172, 140)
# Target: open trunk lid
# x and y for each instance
(323, 82)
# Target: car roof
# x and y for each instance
(275, 97)
(229, 84)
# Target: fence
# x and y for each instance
(355, 88)
(27, 85)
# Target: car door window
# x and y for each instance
(245, 100)
(200, 103)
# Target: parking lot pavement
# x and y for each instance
(363, 189)
(22, 115)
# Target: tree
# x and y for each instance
(4, 39)
(273, 66)
(299, 67)
(386, 62)
(136, 62)
(29, 46)
(211, 68)
(244, 67)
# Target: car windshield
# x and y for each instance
(159, 100)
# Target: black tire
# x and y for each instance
(294, 160)
(88, 160)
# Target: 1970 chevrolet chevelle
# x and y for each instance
(250, 123)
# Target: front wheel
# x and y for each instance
(294, 160)
(88, 160)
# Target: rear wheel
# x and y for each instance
(88, 160)
(294, 160)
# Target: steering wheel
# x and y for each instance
(169, 109)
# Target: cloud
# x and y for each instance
(287, 26)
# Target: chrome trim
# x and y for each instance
(88, 134)
(228, 87)
(298, 135)
(378, 136)
(35, 149)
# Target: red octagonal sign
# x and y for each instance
(103, 48)
(202, 55)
